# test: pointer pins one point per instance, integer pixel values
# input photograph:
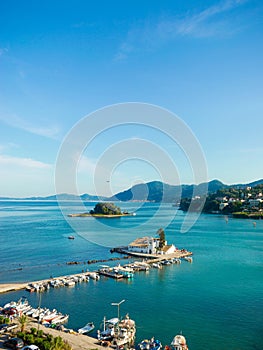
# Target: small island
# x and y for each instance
(104, 210)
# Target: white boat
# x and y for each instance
(70, 283)
(87, 329)
(189, 259)
(31, 311)
(156, 266)
(94, 276)
(37, 312)
(179, 343)
(108, 329)
(60, 319)
(125, 333)
(49, 316)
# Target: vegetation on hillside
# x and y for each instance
(106, 209)
(231, 200)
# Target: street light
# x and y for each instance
(118, 304)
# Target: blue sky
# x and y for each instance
(60, 61)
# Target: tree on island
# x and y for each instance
(161, 234)
(106, 209)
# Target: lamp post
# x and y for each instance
(39, 303)
(118, 305)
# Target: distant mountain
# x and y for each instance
(62, 196)
(154, 191)
(157, 191)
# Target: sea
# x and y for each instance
(216, 301)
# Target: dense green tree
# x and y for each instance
(161, 234)
(106, 209)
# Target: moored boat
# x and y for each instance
(156, 265)
(152, 344)
(179, 343)
(124, 333)
(60, 319)
(108, 329)
(87, 328)
(189, 259)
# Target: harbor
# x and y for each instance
(117, 333)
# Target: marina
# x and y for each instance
(117, 332)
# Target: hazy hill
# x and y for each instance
(155, 191)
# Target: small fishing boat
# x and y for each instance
(87, 328)
(71, 237)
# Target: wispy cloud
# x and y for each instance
(209, 22)
(86, 165)
(6, 160)
(3, 50)
(7, 146)
(51, 131)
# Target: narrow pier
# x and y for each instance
(84, 276)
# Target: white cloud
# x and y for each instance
(51, 131)
(7, 161)
(205, 23)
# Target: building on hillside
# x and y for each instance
(254, 202)
(150, 245)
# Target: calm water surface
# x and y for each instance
(216, 301)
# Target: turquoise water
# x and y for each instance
(216, 301)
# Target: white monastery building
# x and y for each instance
(150, 245)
